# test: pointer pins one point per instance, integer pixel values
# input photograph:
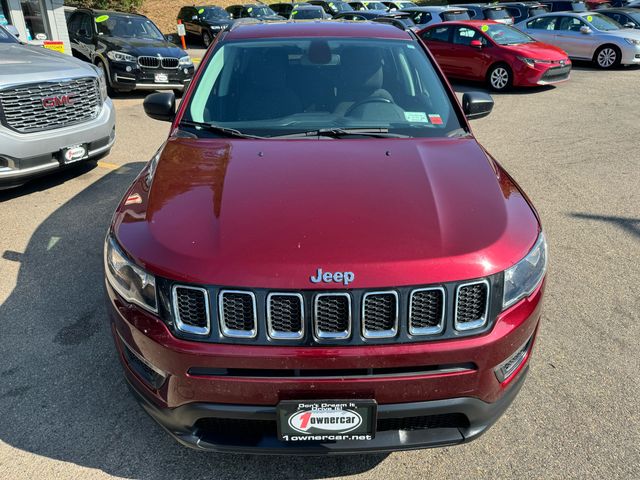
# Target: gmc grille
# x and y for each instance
(68, 103)
(426, 311)
(285, 315)
(333, 315)
(471, 305)
(157, 62)
(380, 315)
(191, 309)
(238, 314)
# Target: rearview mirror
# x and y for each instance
(584, 29)
(195, 17)
(476, 105)
(476, 44)
(160, 106)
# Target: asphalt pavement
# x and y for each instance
(65, 411)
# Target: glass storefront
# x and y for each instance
(5, 19)
(35, 20)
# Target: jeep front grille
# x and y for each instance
(380, 314)
(237, 310)
(471, 305)
(49, 105)
(191, 309)
(333, 315)
(285, 315)
(426, 311)
(157, 62)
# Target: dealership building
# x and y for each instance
(36, 20)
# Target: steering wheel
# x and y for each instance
(366, 101)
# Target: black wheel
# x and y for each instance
(206, 38)
(110, 90)
(607, 56)
(500, 77)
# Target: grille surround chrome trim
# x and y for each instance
(346, 334)
(183, 327)
(276, 335)
(160, 60)
(481, 322)
(370, 334)
(230, 332)
(428, 330)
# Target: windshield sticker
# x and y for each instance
(102, 18)
(295, 12)
(250, 9)
(416, 117)
(435, 119)
(201, 11)
(589, 18)
(484, 28)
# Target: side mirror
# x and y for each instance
(629, 25)
(195, 17)
(584, 29)
(476, 105)
(171, 38)
(476, 44)
(160, 106)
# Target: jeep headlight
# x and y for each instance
(185, 61)
(522, 279)
(130, 281)
(121, 57)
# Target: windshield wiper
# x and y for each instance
(224, 131)
(345, 132)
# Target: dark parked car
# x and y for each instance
(627, 17)
(332, 8)
(399, 5)
(130, 50)
(360, 16)
(400, 20)
(260, 12)
(285, 9)
(486, 11)
(565, 5)
(308, 12)
(394, 302)
(363, 5)
(204, 22)
(522, 10)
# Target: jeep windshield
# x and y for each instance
(280, 87)
(124, 26)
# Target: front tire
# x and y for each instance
(500, 78)
(607, 56)
(110, 90)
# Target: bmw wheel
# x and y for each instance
(206, 38)
(607, 56)
(499, 77)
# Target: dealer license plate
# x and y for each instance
(74, 153)
(161, 78)
(326, 420)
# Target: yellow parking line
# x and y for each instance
(196, 60)
(108, 166)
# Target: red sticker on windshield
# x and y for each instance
(435, 119)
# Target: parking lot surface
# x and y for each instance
(64, 407)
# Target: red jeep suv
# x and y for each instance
(321, 258)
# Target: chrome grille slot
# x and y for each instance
(50, 105)
(380, 314)
(332, 315)
(191, 309)
(285, 315)
(238, 314)
(472, 304)
(426, 311)
(149, 62)
(170, 62)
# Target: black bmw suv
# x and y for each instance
(204, 22)
(130, 49)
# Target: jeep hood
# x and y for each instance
(269, 213)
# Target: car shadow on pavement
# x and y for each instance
(461, 86)
(631, 225)
(62, 392)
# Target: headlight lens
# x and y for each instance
(533, 61)
(130, 281)
(523, 278)
(121, 57)
(632, 41)
(185, 62)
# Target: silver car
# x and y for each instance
(54, 111)
(586, 36)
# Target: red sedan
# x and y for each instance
(496, 53)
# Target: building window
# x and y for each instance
(5, 19)
(35, 19)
